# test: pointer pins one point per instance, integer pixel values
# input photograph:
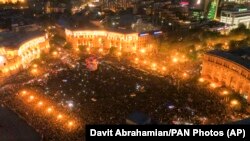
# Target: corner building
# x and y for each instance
(125, 41)
(229, 69)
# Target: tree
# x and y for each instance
(112, 50)
(82, 47)
(218, 46)
(242, 29)
(68, 46)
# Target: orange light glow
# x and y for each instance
(54, 53)
(70, 123)
(142, 50)
(225, 92)
(201, 80)
(164, 68)
(49, 110)
(185, 74)
(234, 102)
(23, 93)
(119, 53)
(175, 60)
(59, 116)
(154, 65)
(100, 50)
(40, 103)
(88, 49)
(77, 49)
(35, 65)
(34, 71)
(213, 85)
(31, 97)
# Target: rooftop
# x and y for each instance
(15, 39)
(240, 56)
(76, 23)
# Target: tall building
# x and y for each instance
(115, 4)
(206, 8)
(37, 5)
(235, 17)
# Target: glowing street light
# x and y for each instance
(201, 80)
(88, 49)
(23, 93)
(35, 66)
(136, 60)
(70, 123)
(154, 65)
(77, 49)
(40, 103)
(31, 97)
(34, 71)
(185, 74)
(100, 50)
(225, 92)
(119, 54)
(54, 53)
(142, 50)
(59, 116)
(49, 110)
(175, 60)
(164, 68)
(234, 102)
(213, 85)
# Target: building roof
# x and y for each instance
(76, 23)
(240, 56)
(15, 39)
(121, 30)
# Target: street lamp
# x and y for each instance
(59, 116)
(201, 80)
(175, 60)
(40, 103)
(213, 85)
(142, 51)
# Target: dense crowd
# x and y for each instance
(111, 93)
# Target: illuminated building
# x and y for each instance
(235, 17)
(237, 1)
(212, 12)
(115, 4)
(20, 53)
(125, 41)
(11, 1)
(52, 8)
(204, 8)
(228, 69)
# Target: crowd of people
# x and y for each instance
(110, 94)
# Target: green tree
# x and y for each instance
(242, 29)
(218, 46)
(112, 50)
(68, 46)
(82, 47)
